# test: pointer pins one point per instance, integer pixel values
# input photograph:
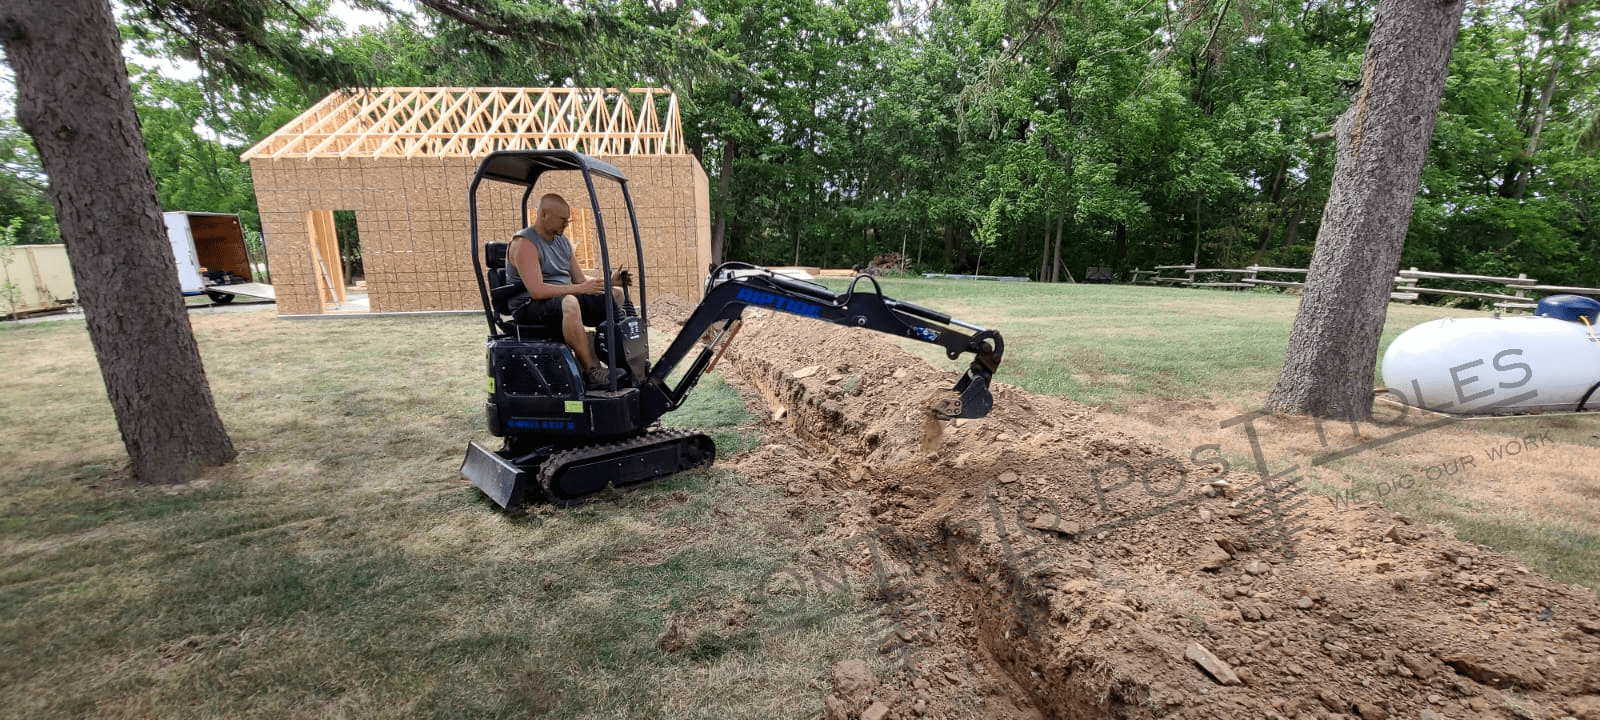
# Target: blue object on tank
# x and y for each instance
(1570, 308)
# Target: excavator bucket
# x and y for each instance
(973, 393)
(970, 398)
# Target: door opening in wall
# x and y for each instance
(336, 260)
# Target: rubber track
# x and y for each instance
(547, 469)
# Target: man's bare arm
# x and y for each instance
(527, 261)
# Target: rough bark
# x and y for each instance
(1382, 144)
(73, 98)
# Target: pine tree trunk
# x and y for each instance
(1383, 142)
(73, 98)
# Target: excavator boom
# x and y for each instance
(737, 286)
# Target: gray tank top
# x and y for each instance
(555, 259)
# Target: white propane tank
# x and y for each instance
(1474, 366)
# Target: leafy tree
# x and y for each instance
(23, 204)
(10, 294)
(193, 172)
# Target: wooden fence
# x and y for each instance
(1407, 283)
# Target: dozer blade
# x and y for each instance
(504, 483)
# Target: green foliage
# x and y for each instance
(949, 132)
(193, 151)
(23, 204)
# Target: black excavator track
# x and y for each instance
(572, 477)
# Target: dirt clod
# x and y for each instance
(673, 639)
(1212, 557)
(853, 682)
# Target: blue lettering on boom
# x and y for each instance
(777, 302)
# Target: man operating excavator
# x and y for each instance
(559, 297)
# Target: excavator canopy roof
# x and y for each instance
(523, 167)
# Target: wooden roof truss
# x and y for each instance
(473, 122)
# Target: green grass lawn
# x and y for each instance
(341, 567)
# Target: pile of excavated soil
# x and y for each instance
(1040, 566)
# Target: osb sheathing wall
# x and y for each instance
(413, 221)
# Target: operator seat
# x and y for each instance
(502, 294)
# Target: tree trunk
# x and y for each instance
(1120, 262)
(1055, 266)
(1525, 168)
(1293, 233)
(1269, 225)
(1382, 144)
(730, 150)
(73, 98)
(1044, 259)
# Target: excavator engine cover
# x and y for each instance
(535, 389)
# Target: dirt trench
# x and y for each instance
(1037, 565)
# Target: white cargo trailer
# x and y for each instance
(211, 257)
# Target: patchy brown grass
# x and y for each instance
(341, 567)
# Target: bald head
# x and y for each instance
(552, 217)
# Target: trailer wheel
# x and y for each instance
(219, 298)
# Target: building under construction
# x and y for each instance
(402, 158)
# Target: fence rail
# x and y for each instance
(1406, 283)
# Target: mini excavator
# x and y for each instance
(566, 441)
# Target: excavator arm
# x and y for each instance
(751, 286)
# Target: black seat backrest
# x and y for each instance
(501, 293)
(494, 255)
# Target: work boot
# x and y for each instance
(599, 376)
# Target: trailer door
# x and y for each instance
(183, 254)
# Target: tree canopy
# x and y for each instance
(1113, 133)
